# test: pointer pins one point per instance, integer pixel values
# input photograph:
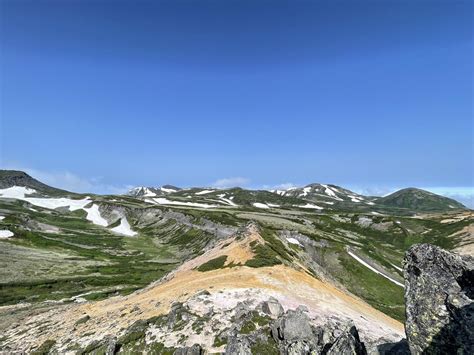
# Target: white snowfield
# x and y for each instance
(273, 205)
(305, 192)
(374, 269)
(20, 192)
(309, 205)
(397, 267)
(168, 191)
(124, 228)
(2, 217)
(355, 198)
(331, 192)
(203, 192)
(148, 192)
(260, 205)
(17, 192)
(294, 241)
(5, 233)
(227, 200)
(165, 201)
(94, 216)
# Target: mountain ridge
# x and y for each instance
(327, 194)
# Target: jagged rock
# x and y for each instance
(189, 350)
(298, 348)
(238, 346)
(294, 333)
(272, 307)
(178, 313)
(292, 326)
(398, 348)
(111, 344)
(348, 343)
(439, 301)
(242, 310)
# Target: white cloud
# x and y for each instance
(284, 186)
(374, 190)
(230, 182)
(71, 182)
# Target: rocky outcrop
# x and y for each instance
(189, 350)
(293, 333)
(439, 296)
(272, 307)
(348, 343)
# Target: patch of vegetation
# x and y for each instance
(248, 327)
(379, 292)
(44, 348)
(259, 319)
(268, 347)
(213, 264)
(219, 341)
(95, 347)
(271, 253)
(159, 348)
(199, 324)
(131, 337)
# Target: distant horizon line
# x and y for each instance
(74, 183)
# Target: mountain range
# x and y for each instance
(314, 196)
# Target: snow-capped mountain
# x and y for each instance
(143, 191)
(325, 193)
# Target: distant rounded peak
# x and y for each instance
(413, 190)
(10, 178)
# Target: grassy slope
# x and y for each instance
(96, 261)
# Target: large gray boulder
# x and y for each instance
(293, 326)
(348, 343)
(439, 292)
(189, 350)
(238, 346)
(272, 307)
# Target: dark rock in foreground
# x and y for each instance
(439, 301)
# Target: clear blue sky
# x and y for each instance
(356, 93)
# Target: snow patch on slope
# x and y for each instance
(293, 241)
(374, 269)
(272, 205)
(94, 216)
(227, 200)
(124, 228)
(166, 190)
(204, 192)
(305, 192)
(309, 205)
(20, 192)
(5, 233)
(260, 205)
